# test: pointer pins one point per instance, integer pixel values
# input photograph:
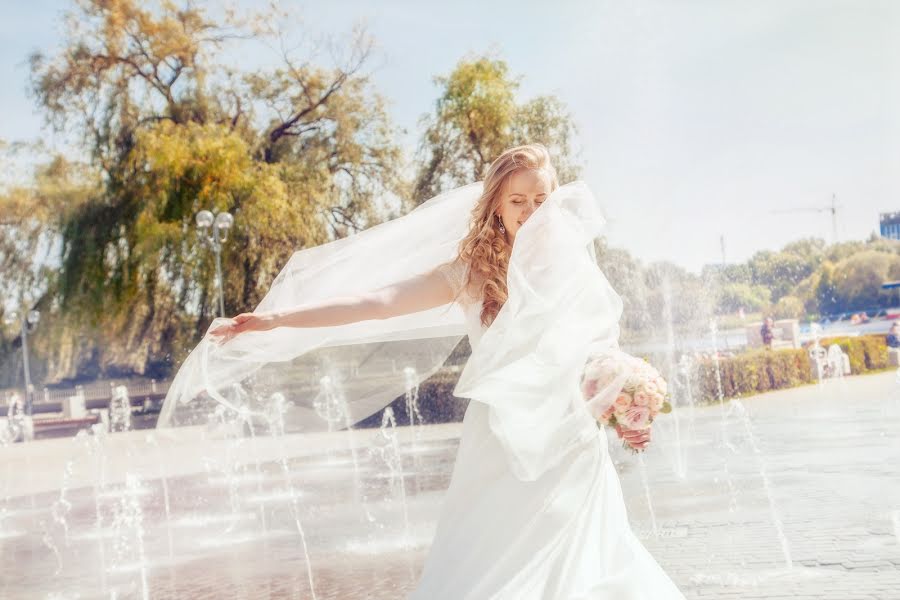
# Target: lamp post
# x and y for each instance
(213, 230)
(27, 324)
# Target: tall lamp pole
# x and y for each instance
(27, 324)
(213, 230)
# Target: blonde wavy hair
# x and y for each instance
(485, 249)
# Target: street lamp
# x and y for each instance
(27, 324)
(219, 225)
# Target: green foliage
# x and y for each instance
(32, 217)
(760, 371)
(477, 117)
(300, 154)
(857, 280)
(807, 277)
(866, 352)
(733, 296)
(654, 295)
(789, 307)
(781, 271)
(754, 372)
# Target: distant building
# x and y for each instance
(890, 225)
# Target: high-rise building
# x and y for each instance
(890, 225)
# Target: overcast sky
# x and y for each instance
(697, 119)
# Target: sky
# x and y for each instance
(699, 121)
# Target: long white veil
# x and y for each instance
(526, 365)
(332, 377)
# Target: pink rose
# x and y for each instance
(641, 399)
(650, 387)
(589, 388)
(623, 400)
(637, 417)
(656, 402)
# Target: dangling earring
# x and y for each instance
(500, 223)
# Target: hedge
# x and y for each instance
(760, 371)
(746, 374)
(754, 372)
(867, 352)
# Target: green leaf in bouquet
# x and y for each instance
(666, 408)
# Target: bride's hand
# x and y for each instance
(636, 438)
(242, 323)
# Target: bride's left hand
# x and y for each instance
(636, 438)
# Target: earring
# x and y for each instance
(500, 223)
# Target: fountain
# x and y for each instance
(17, 423)
(119, 409)
(238, 504)
(386, 449)
(741, 410)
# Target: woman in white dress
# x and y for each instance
(534, 509)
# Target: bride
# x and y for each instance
(534, 508)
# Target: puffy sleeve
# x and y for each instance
(455, 274)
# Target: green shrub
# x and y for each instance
(754, 372)
(760, 371)
(866, 352)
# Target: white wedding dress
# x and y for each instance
(534, 509)
(562, 536)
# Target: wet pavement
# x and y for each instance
(793, 494)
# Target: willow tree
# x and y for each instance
(31, 216)
(300, 153)
(476, 117)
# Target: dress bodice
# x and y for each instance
(455, 273)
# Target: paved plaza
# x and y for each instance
(792, 494)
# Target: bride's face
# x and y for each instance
(524, 191)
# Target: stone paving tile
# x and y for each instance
(794, 494)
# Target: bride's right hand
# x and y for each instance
(242, 323)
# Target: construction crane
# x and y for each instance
(832, 208)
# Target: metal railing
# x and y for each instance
(98, 390)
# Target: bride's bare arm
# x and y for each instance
(412, 295)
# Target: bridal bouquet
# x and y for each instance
(625, 390)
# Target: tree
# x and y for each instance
(653, 297)
(789, 307)
(300, 154)
(826, 290)
(780, 271)
(476, 118)
(31, 218)
(732, 297)
(858, 278)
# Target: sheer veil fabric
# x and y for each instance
(327, 378)
(534, 509)
(312, 379)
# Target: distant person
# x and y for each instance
(893, 336)
(767, 331)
